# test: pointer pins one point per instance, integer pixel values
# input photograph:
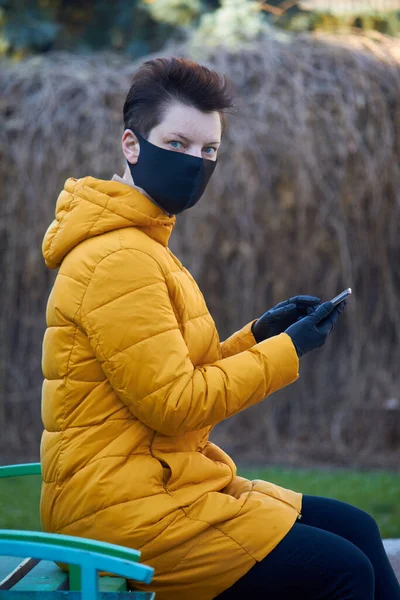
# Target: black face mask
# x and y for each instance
(174, 180)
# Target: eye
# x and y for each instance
(175, 144)
(209, 150)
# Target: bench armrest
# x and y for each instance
(20, 470)
(89, 556)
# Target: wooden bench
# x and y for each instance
(39, 577)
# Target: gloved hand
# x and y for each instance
(284, 314)
(312, 331)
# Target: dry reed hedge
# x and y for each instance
(305, 199)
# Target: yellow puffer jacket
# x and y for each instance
(135, 379)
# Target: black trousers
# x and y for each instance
(334, 553)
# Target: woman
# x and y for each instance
(136, 378)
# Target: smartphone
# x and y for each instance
(338, 299)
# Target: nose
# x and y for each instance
(196, 151)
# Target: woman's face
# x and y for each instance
(184, 129)
(188, 130)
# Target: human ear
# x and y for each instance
(130, 146)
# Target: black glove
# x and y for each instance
(312, 331)
(284, 314)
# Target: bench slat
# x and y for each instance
(17, 573)
(45, 577)
(8, 564)
(112, 584)
(63, 595)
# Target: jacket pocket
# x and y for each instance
(166, 472)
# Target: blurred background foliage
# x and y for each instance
(307, 200)
(139, 27)
(312, 179)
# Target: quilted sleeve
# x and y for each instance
(129, 319)
(239, 341)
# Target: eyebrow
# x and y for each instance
(183, 137)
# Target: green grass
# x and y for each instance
(19, 502)
(376, 492)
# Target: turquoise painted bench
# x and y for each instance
(36, 576)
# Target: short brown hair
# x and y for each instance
(159, 82)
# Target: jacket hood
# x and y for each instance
(88, 207)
